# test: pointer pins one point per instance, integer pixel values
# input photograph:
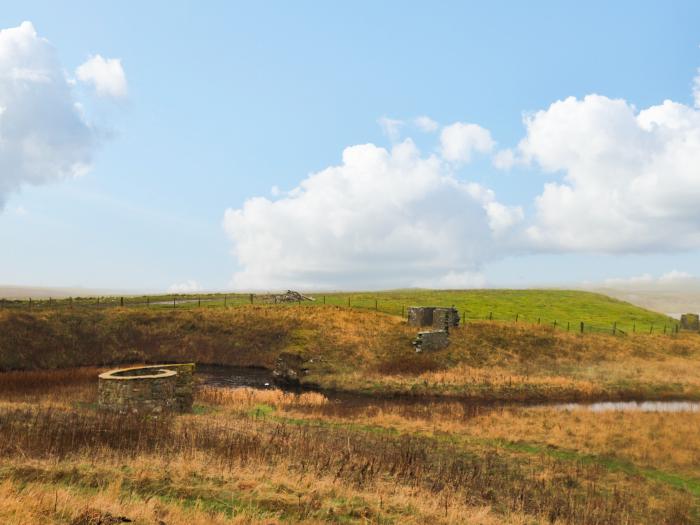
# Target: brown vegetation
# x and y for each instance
(266, 456)
(364, 351)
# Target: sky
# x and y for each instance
(185, 146)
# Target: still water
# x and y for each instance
(237, 377)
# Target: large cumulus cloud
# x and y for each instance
(382, 218)
(631, 179)
(615, 179)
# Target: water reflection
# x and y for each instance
(634, 406)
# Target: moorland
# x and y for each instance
(469, 434)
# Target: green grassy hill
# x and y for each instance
(563, 306)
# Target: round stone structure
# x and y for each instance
(152, 389)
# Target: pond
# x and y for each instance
(634, 406)
(234, 376)
(237, 377)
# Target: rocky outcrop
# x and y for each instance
(289, 369)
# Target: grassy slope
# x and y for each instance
(595, 310)
(364, 351)
(529, 305)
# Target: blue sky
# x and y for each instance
(227, 100)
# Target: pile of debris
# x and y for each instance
(290, 296)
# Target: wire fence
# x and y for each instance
(392, 307)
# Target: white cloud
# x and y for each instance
(675, 276)
(391, 127)
(504, 159)
(426, 124)
(105, 74)
(696, 90)
(635, 280)
(382, 218)
(669, 280)
(189, 286)
(43, 137)
(630, 178)
(460, 140)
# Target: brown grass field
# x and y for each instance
(443, 454)
(365, 352)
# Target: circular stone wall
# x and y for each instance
(147, 389)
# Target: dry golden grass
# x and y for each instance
(244, 398)
(665, 441)
(313, 460)
(263, 496)
(668, 441)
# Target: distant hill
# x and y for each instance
(41, 292)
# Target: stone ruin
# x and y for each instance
(690, 322)
(153, 389)
(435, 316)
(442, 319)
(431, 341)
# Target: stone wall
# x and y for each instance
(148, 389)
(435, 316)
(431, 341)
(690, 322)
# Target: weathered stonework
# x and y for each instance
(435, 316)
(431, 341)
(690, 322)
(148, 389)
(289, 369)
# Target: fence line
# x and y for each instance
(362, 303)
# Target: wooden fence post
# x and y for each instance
(581, 326)
(226, 297)
(375, 305)
(173, 302)
(516, 317)
(490, 316)
(614, 327)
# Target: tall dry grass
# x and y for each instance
(541, 487)
(244, 398)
